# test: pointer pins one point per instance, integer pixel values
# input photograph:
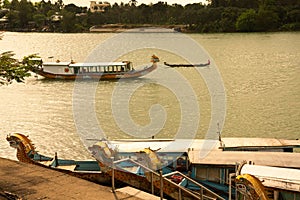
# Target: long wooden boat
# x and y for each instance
(164, 173)
(98, 71)
(180, 172)
(188, 65)
(143, 176)
(184, 172)
(265, 182)
(26, 152)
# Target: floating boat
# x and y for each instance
(26, 152)
(188, 65)
(97, 71)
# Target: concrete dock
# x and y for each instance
(30, 182)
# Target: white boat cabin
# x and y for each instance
(83, 68)
(57, 67)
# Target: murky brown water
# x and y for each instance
(260, 74)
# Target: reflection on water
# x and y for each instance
(260, 74)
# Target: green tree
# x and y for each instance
(59, 4)
(3, 12)
(14, 5)
(96, 18)
(5, 4)
(228, 19)
(294, 15)
(133, 2)
(145, 14)
(247, 21)
(25, 10)
(39, 19)
(73, 8)
(159, 11)
(266, 20)
(11, 69)
(13, 18)
(68, 21)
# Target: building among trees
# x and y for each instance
(98, 7)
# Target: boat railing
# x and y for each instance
(163, 178)
(133, 161)
(202, 187)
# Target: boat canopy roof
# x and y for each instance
(209, 152)
(259, 142)
(98, 64)
(275, 177)
(56, 63)
(219, 157)
(185, 145)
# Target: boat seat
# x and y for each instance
(47, 162)
(67, 167)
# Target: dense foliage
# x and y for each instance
(13, 70)
(216, 16)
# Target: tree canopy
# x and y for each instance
(216, 16)
(11, 69)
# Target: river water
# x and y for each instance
(259, 72)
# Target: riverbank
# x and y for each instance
(118, 28)
(25, 181)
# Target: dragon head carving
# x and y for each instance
(20, 142)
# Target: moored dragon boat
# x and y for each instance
(98, 70)
(181, 173)
(26, 152)
(139, 169)
(170, 168)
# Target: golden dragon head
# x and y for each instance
(149, 158)
(17, 139)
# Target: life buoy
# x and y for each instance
(66, 70)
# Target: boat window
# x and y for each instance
(214, 174)
(201, 173)
(93, 69)
(128, 67)
(84, 69)
(76, 70)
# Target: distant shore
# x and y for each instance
(117, 28)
